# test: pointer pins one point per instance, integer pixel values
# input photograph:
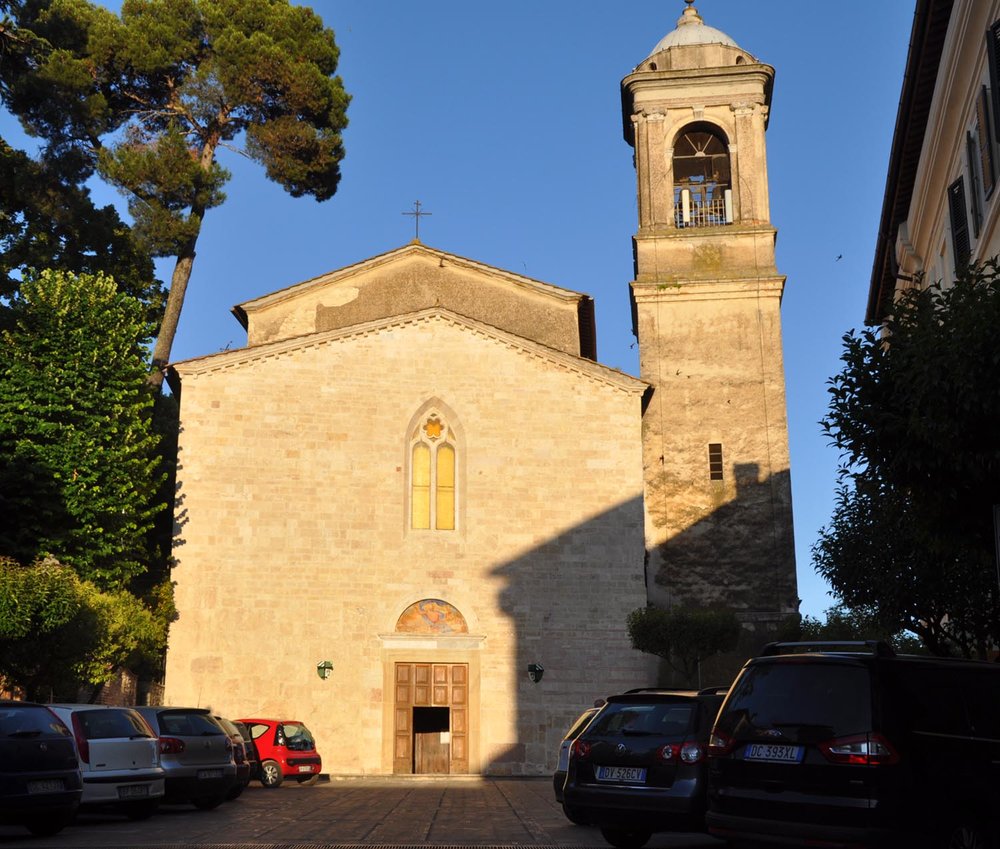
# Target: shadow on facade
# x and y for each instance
(567, 605)
(739, 557)
(566, 601)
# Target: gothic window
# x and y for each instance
(432, 474)
(703, 194)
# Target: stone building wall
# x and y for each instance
(294, 546)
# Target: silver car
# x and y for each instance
(119, 757)
(195, 752)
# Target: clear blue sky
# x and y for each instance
(504, 120)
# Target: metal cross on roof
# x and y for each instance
(417, 212)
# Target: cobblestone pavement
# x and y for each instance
(388, 813)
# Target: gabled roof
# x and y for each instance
(415, 277)
(413, 248)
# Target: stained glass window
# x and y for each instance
(432, 475)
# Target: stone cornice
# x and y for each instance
(708, 290)
(234, 359)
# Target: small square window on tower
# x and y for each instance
(715, 461)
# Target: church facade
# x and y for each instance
(445, 507)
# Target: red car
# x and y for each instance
(286, 749)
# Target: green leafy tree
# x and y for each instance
(46, 222)
(149, 98)
(58, 631)
(845, 625)
(915, 413)
(684, 637)
(78, 456)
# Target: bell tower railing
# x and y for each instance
(702, 205)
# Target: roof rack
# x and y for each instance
(704, 691)
(879, 648)
(659, 690)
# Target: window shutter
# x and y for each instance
(993, 53)
(985, 138)
(976, 205)
(959, 224)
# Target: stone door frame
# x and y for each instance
(464, 650)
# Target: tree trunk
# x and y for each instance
(172, 312)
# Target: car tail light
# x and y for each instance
(860, 750)
(720, 744)
(692, 752)
(581, 749)
(668, 753)
(239, 754)
(82, 743)
(171, 746)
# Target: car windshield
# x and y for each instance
(806, 702)
(662, 719)
(104, 723)
(188, 724)
(297, 736)
(29, 721)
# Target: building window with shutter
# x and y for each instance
(960, 244)
(993, 54)
(972, 151)
(984, 139)
(432, 475)
(715, 461)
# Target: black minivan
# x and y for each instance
(851, 745)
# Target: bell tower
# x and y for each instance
(706, 312)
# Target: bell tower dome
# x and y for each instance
(706, 313)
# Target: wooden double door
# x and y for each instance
(431, 725)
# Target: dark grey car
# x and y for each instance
(196, 754)
(639, 766)
(40, 782)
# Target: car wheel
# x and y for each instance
(626, 838)
(46, 827)
(141, 810)
(235, 791)
(577, 815)
(270, 774)
(308, 780)
(968, 836)
(208, 803)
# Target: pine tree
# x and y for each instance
(149, 98)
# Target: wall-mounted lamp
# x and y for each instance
(323, 669)
(535, 672)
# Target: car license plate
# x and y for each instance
(631, 774)
(133, 791)
(209, 773)
(46, 785)
(305, 769)
(773, 752)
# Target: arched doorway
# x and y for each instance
(430, 699)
